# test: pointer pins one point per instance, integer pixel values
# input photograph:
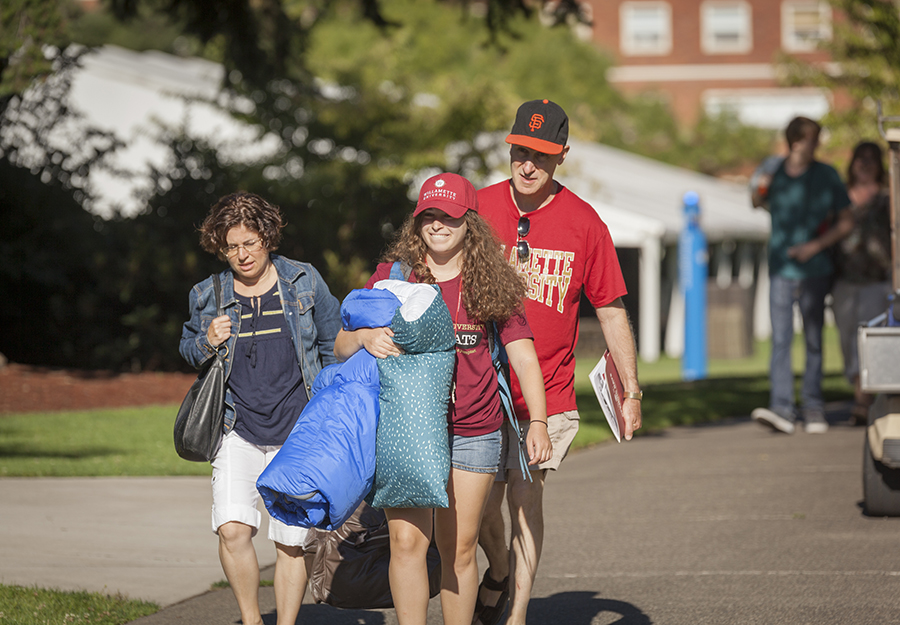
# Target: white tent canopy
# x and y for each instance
(639, 185)
(135, 95)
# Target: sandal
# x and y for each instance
(491, 614)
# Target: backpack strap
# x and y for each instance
(501, 364)
(400, 270)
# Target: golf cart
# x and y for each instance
(879, 363)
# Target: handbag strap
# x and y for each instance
(217, 287)
(217, 291)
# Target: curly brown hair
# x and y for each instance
(492, 290)
(241, 209)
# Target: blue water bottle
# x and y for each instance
(693, 260)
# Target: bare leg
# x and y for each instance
(290, 582)
(238, 558)
(410, 530)
(526, 511)
(492, 539)
(456, 532)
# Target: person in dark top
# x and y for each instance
(277, 333)
(863, 261)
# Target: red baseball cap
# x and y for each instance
(448, 192)
(541, 125)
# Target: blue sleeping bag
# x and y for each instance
(327, 464)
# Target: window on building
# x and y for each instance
(804, 25)
(768, 107)
(726, 27)
(646, 28)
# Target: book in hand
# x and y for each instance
(608, 388)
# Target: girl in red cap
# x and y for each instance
(446, 242)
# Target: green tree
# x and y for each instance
(443, 54)
(865, 51)
(363, 95)
(27, 28)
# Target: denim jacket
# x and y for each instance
(310, 310)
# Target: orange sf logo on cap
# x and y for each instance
(537, 120)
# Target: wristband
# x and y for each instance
(632, 395)
(541, 422)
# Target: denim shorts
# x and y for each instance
(476, 454)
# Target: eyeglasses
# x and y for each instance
(249, 246)
(523, 228)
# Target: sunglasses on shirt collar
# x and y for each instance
(522, 229)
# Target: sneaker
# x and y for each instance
(815, 422)
(773, 420)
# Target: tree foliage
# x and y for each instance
(341, 177)
(865, 53)
(27, 27)
(362, 96)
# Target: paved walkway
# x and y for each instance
(148, 538)
(726, 523)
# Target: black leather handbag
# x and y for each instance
(198, 426)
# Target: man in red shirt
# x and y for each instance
(560, 246)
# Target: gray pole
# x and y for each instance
(892, 136)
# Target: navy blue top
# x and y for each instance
(265, 380)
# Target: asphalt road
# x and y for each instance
(721, 524)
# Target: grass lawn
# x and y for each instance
(138, 441)
(108, 442)
(36, 606)
(733, 388)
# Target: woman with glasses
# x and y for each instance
(277, 333)
(445, 242)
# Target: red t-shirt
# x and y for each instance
(474, 408)
(571, 250)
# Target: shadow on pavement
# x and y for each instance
(315, 614)
(582, 608)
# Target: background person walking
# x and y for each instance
(863, 262)
(806, 200)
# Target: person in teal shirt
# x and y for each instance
(810, 213)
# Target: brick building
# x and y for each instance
(710, 54)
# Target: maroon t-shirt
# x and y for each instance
(474, 407)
